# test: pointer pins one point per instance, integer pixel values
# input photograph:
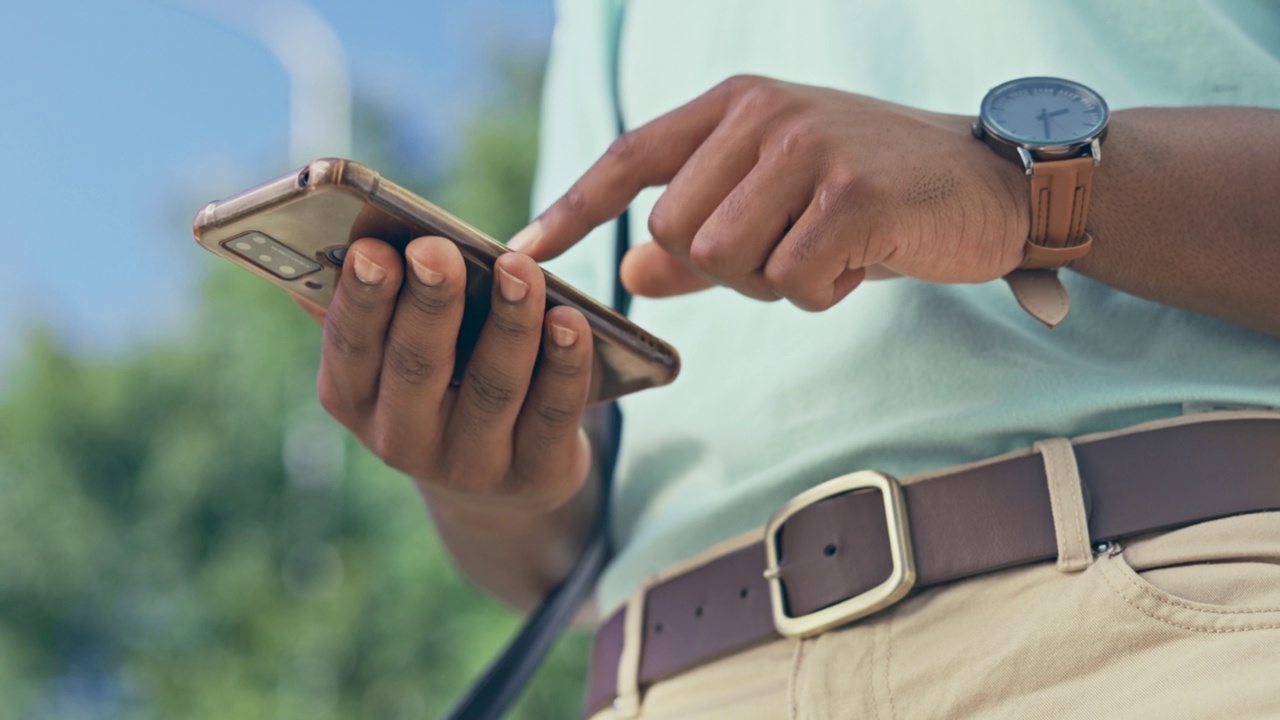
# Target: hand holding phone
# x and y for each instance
(454, 360)
(295, 231)
(506, 440)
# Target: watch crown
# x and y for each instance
(976, 129)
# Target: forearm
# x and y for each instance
(1186, 211)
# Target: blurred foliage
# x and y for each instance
(185, 534)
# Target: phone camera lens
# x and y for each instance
(336, 255)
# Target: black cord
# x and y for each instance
(501, 684)
(622, 227)
(493, 693)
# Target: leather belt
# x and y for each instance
(957, 523)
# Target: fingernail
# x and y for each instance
(527, 236)
(513, 289)
(426, 275)
(563, 336)
(369, 272)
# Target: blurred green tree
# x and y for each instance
(185, 534)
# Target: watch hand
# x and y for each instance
(1056, 113)
(1044, 118)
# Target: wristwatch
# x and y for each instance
(1054, 128)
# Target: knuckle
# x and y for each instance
(733, 84)
(739, 85)
(799, 137)
(386, 448)
(576, 200)
(511, 324)
(763, 96)
(845, 180)
(339, 337)
(754, 286)
(813, 302)
(626, 148)
(490, 391)
(563, 364)
(710, 256)
(557, 414)
(842, 183)
(781, 279)
(757, 98)
(408, 361)
(429, 303)
(662, 227)
(361, 301)
(790, 285)
(332, 399)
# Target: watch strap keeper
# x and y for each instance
(1041, 257)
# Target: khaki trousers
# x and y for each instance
(1181, 624)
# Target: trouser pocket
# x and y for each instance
(1216, 576)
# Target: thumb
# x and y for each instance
(650, 271)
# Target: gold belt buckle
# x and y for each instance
(893, 589)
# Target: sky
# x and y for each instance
(118, 119)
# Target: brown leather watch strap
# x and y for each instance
(1060, 192)
(1041, 294)
(963, 522)
(1059, 205)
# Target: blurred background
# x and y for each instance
(183, 532)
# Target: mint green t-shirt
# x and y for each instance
(902, 376)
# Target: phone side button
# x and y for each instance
(336, 255)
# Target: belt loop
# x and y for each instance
(627, 703)
(1066, 498)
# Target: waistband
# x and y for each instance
(859, 543)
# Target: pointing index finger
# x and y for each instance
(648, 156)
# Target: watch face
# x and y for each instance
(1044, 111)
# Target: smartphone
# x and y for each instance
(294, 231)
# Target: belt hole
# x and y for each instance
(829, 550)
(742, 593)
(657, 629)
(697, 612)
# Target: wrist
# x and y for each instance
(1051, 129)
(1005, 183)
(519, 503)
(482, 516)
(497, 515)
